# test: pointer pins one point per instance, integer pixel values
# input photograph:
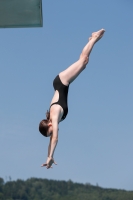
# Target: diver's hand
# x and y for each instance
(49, 163)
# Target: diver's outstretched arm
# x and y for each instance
(52, 145)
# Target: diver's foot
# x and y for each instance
(97, 35)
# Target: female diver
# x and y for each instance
(58, 107)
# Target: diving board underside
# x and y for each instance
(21, 13)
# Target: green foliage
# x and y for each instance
(1, 181)
(44, 189)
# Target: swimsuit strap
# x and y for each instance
(53, 104)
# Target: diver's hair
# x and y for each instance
(48, 115)
(43, 126)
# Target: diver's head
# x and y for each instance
(45, 128)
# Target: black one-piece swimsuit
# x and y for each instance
(63, 93)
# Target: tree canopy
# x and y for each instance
(44, 189)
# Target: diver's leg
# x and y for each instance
(71, 73)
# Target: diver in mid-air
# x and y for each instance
(58, 107)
